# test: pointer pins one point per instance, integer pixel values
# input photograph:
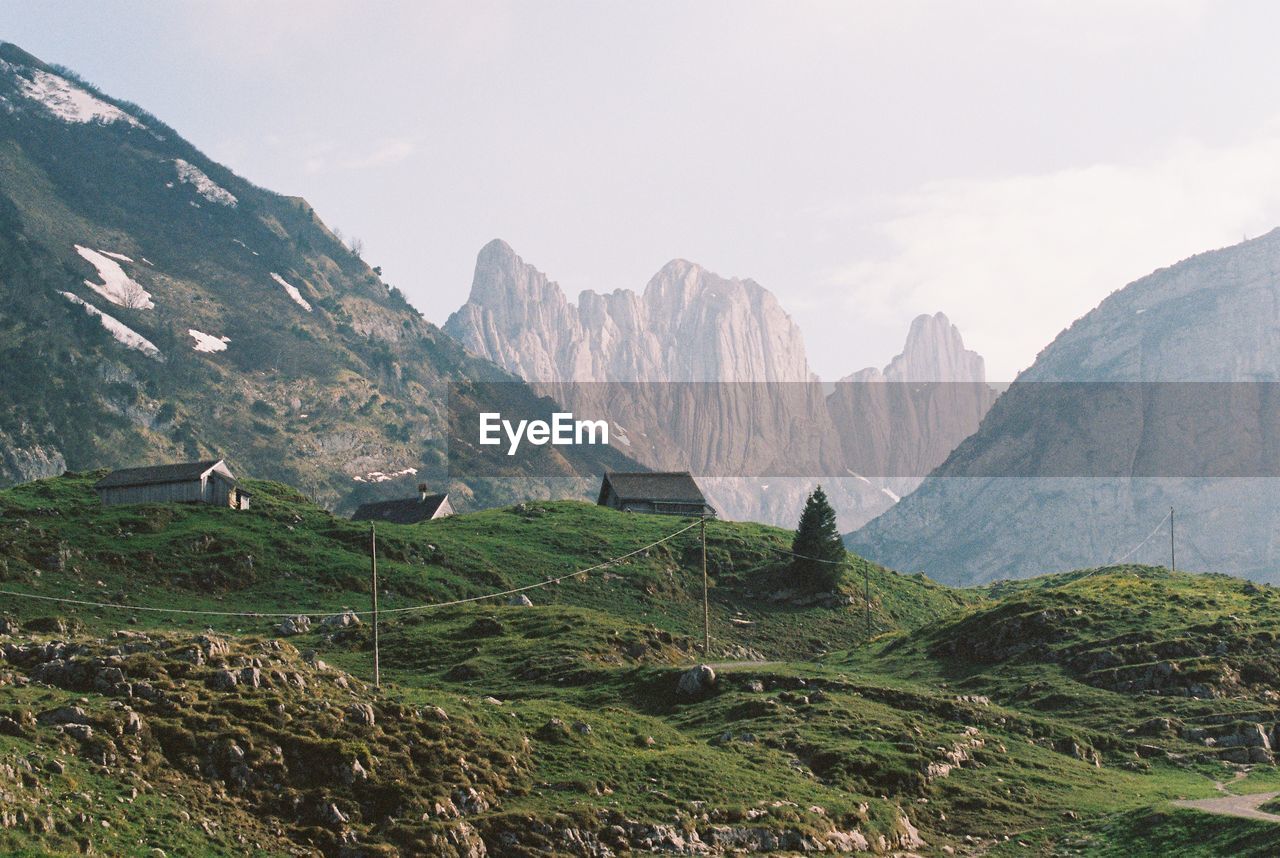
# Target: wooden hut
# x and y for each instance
(660, 493)
(424, 507)
(187, 482)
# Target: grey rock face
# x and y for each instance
(1212, 318)
(21, 464)
(691, 325)
(521, 320)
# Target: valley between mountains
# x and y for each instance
(189, 680)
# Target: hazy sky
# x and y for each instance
(1008, 163)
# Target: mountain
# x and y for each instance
(727, 329)
(912, 413)
(156, 306)
(934, 351)
(990, 511)
(642, 357)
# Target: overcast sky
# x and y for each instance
(1008, 163)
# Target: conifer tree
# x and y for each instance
(818, 539)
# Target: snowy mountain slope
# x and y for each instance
(154, 305)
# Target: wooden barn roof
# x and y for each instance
(405, 511)
(670, 486)
(156, 474)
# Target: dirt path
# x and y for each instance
(1242, 806)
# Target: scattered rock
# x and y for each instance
(520, 600)
(347, 619)
(81, 732)
(132, 723)
(224, 680)
(331, 815)
(298, 625)
(696, 681)
(553, 729)
(63, 715)
(213, 647)
(485, 627)
(361, 713)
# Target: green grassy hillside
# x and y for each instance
(1063, 713)
(288, 555)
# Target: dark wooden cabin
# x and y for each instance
(208, 482)
(424, 507)
(660, 493)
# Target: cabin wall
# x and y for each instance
(191, 491)
(220, 491)
(213, 490)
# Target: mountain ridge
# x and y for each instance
(1213, 317)
(689, 324)
(268, 340)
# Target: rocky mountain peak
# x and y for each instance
(934, 351)
(729, 329)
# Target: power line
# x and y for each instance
(407, 609)
(814, 559)
(1132, 550)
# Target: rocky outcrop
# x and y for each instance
(22, 464)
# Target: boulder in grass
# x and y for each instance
(63, 715)
(224, 680)
(298, 625)
(344, 620)
(520, 600)
(361, 713)
(696, 681)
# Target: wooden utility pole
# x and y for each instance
(866, 591)
(706, 606)
(373, 573)
(1173, 556)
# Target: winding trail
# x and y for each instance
(1241, 806)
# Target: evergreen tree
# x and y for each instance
(818, 539)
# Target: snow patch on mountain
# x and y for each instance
(124, 334)
(190, 174)
(380, 477)
(119, 256)
(208, 342)
(116, 286)
(293, 292)
(66, 101)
